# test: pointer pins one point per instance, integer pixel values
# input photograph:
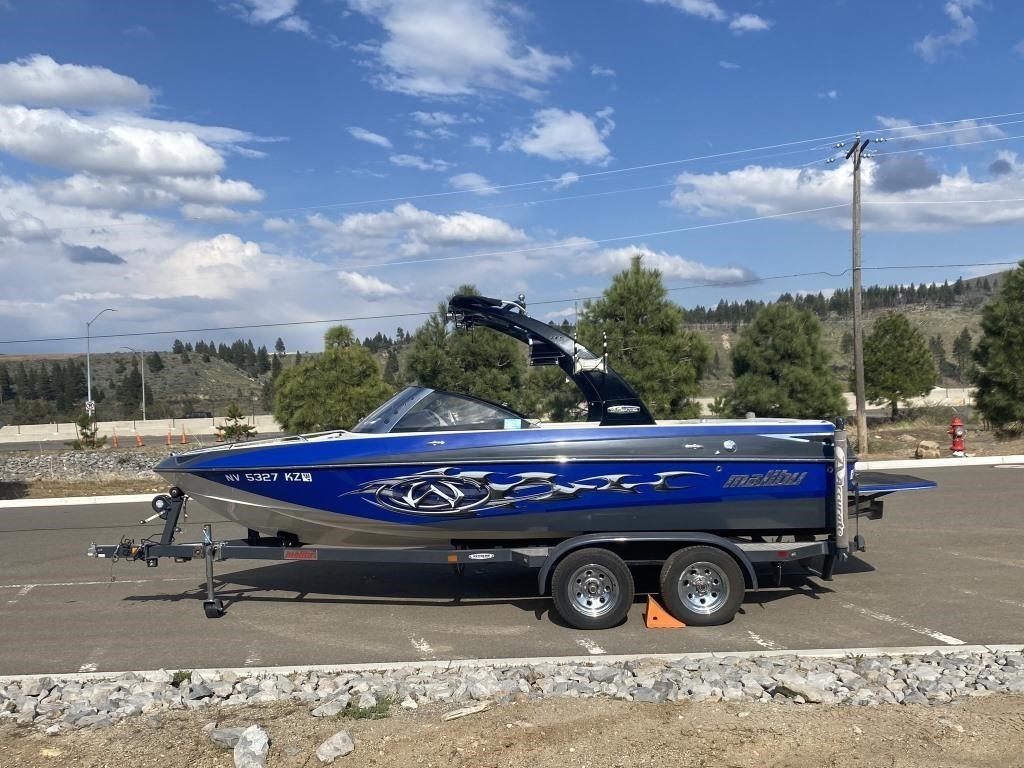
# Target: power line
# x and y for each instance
(543, 302)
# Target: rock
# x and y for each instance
(226, 737)
(792, 687)
(408, 703)
(331, 708)
(455, 714)
(366, 701)
(252, 747)
(38, 687)
(103, 720)
(199, 691)
(928, 449)
(648, 696)
(339, 745)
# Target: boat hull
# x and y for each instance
(511, 497)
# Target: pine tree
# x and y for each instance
(155, 362)
(177, 347)
(234, 427)
(962, 346)
(782, 369)
(478, 361)
(331, 391)
(1000, 356)
(279, 346)
(647, 341)
(897, 362)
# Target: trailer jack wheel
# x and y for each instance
(213, 609)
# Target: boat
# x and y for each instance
(436, 468)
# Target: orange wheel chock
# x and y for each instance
(656, 617)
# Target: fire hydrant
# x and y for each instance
(957, 432)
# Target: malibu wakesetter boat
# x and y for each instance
(433, 476)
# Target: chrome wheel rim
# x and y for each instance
(594, 591)
(703, 588)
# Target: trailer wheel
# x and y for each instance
(592, 588)
(702, 586)
(213, 609)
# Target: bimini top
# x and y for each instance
(610, 399)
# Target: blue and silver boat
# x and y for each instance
(439, 468)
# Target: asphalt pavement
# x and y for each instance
(943, 567)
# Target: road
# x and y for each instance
(943, 567)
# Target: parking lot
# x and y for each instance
(943, 567)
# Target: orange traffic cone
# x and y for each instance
(184, 437)
(115, 437)
(656, 617)
(220, 437)
(138, 440)
(168, 435)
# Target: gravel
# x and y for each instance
(77, 466)
(51, 704)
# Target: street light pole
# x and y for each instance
(142, 358)
(90, 407)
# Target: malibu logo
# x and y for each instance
(777, 477)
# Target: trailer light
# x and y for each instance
(783, 553)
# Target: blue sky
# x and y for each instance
(222, 163)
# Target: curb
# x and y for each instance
(76, 500)
(969, 461)
(603, 660)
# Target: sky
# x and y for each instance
(217, 163)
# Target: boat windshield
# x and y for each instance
(418, 409)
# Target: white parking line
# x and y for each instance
(1004, 601)
(422, 646)
(21, 593)
(947, 639)
(92, 583)
(986, 559)
(590, 647)
(761, 641)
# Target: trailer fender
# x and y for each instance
(681, 538)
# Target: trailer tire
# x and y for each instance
(702, 586)
(592, 588)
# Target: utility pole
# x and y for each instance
(856, 152)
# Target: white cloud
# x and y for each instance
(473, 182)
(614, 260)
(39, 81)
(567, 179)
(920, 199)
(419, 163)
(560, 135)
(739, 23)
(832, 94)
(749, 22)
(1019, 48)
(199, 212)
(598, 71)
(455, 48)
(960, 132)
(276, 224)
(435, 119)
(369, 137)
(704, 9)
(296, 24)
(54, 138)
(281, 13)
(729, 65)
(126, 192)
(480, 142)
(367, 285)
(413, 230)
(932, 47)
